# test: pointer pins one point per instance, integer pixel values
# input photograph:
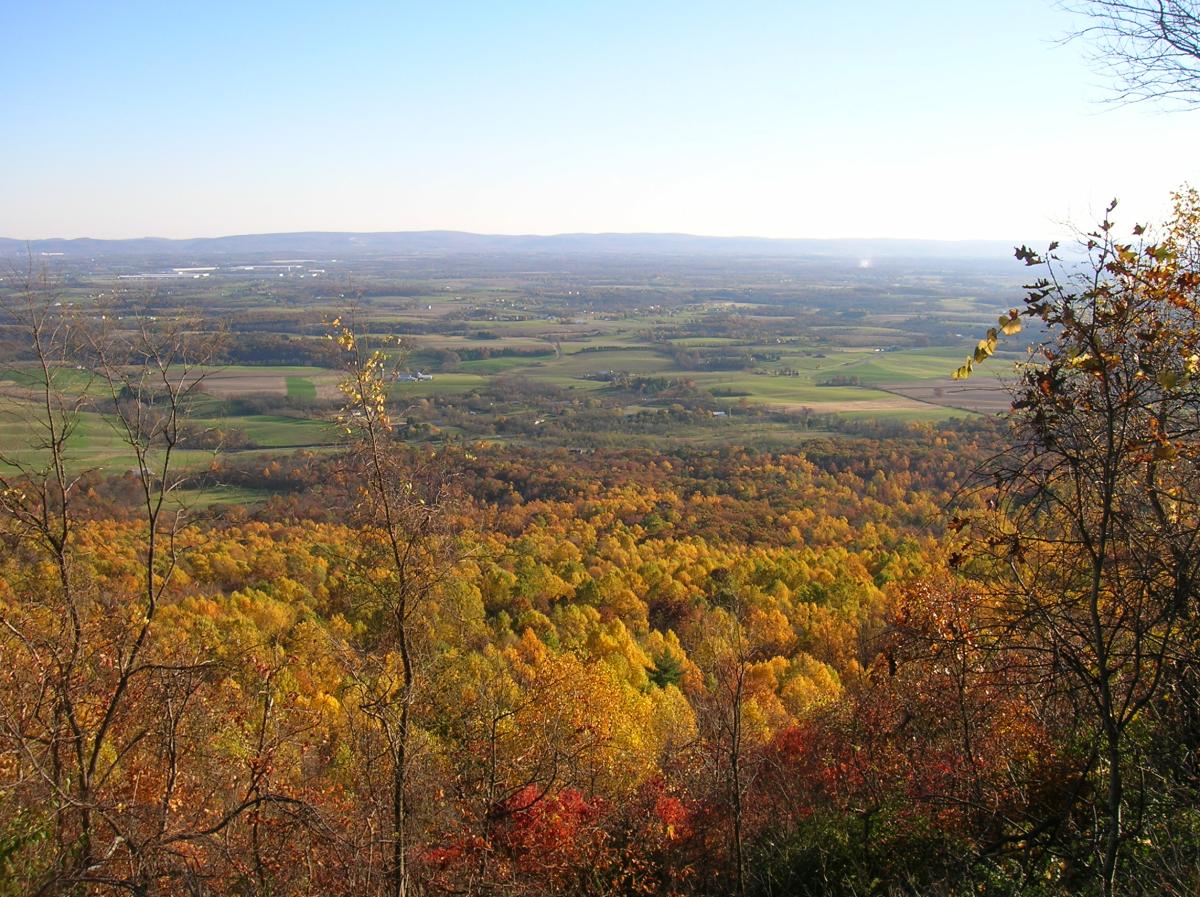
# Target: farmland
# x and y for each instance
(592, 355)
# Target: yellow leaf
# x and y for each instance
(1165, 452)
(1167, 379)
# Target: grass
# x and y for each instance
(275, 430)
(440, 384)
(503, 364)
(198, 499)
(901, 385)
(65, 379)
(891, 367)
(784, 390)
(635, 361)
(301, 388)
(96, 444)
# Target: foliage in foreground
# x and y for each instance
(510, 673)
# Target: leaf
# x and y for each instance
(1165, 452)
(1011, 322)
(1080, 360)
(1028, 256)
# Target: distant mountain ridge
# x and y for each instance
(323, 244)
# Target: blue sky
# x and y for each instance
(937, 119)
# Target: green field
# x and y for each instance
(913, 364)
(275, 431)
(301, 388)
(502, 364)
(767, 355)
(94, 443)
(793, 380)
(440, 384)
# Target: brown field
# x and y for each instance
(851, 406)
(232, 382)
(985, 396)
(438, 341)
(227, 384)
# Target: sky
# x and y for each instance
(942, 119)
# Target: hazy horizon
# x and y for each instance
(832, 238)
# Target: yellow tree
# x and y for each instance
(407, 552)
(102, 717)
(731, 642)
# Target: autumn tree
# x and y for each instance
(106, 764)
(726, 652)
(408, 550)
(1095, 544)
(44, 737)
